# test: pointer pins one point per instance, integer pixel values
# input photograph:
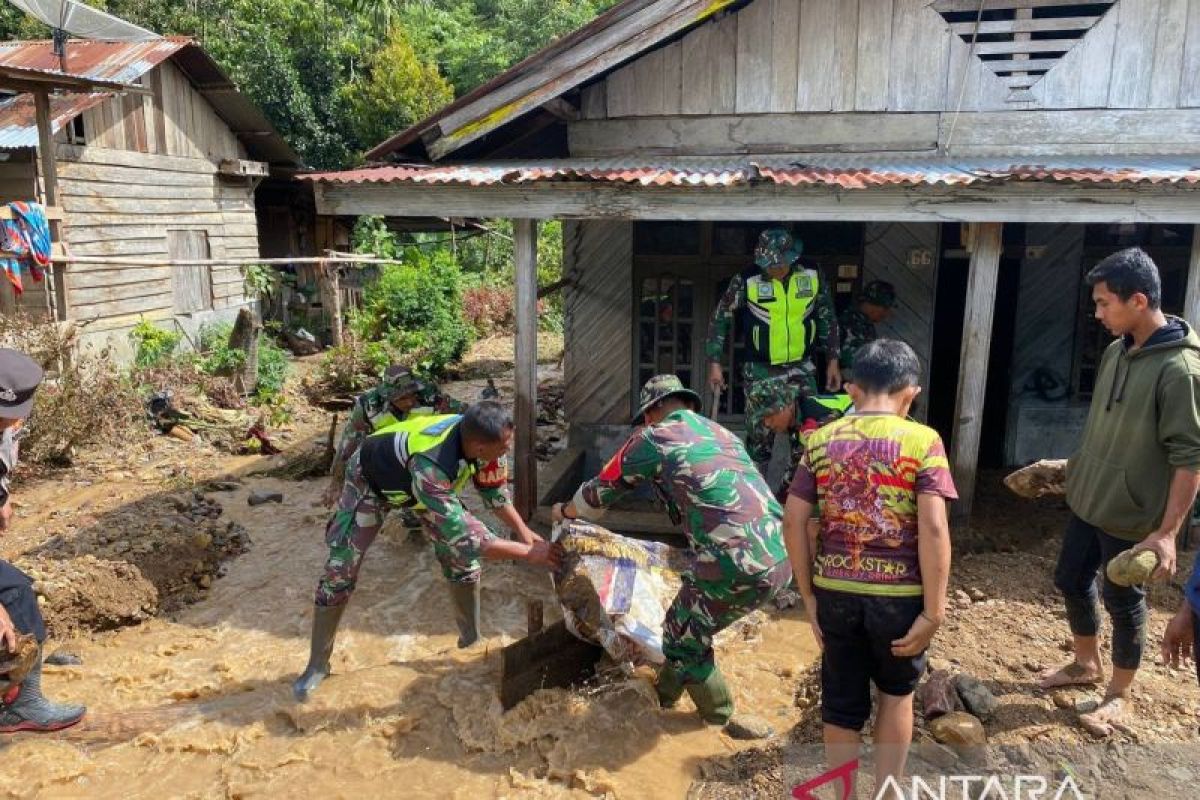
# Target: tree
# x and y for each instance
(396, 90)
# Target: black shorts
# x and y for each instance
(858, 632)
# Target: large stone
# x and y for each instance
(1039, 479)
(1132, 569)
(937, 695)
(959, 730)
(977, 698)
(936, 755)
(748, 727)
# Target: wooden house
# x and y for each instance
(163, 170)
(980, 155)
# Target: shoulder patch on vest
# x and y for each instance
(441, 426)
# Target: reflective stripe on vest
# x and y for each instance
(781, 325)
(421, 434)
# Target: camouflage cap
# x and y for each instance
(776, 246)
(660, 387)
(879, 293)
(768, 397)
(398, 381)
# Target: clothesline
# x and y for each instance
(156, 263)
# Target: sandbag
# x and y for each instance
(614, 590)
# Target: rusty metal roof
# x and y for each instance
(126, 62)
(845, 172)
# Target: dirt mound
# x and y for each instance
(152, 556)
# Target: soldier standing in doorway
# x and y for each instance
(787, 313)
(857, 324)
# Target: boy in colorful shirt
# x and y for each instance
(882, 563)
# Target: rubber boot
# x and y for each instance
(324, 629)
(669, 687)
(30, 711)
(712, 698)
(466, 612)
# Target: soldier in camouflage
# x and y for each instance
(397, 396)
(422, 464)
(731, 520)
(857, 324)
(787, 314)
(783, 408)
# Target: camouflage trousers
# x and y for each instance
(704, 608)
(759, 439)
(354, 525)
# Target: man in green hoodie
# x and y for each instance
(1132, 482)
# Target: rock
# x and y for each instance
(939, 665)
(787, 599)
(179, 502)
(202, 540)
(1039, 479)
(976, 595)
(977, 698)
(937, 695)
(1086, 705)
(748, 726)
(937, 755)
(205, 581)
(1132, 569)
(961, 598)
(63, 658)
(258, 498)
(1063, 699)
(223, 486)
(960, 731)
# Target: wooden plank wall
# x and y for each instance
(173, 120)
(885, 257)
(786, 56)
(120, 203)
(598, 259)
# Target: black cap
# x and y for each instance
(19, 378)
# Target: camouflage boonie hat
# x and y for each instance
(879, 293)
(660, 387)
(399, 381)
(777, 246)
(767, 397)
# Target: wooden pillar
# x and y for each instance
(973, 365)
(525, 242)
(41, 104)
(1191, 297)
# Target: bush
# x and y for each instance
(218, 358)
(415, 308)
(85, 399)
(489, 308)
(154, 345)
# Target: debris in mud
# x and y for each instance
(260, 498)
(123, 567)
(63, 658)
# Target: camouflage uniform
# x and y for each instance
(457, 535)
(775, 246)
(811, 412)
(373, 409)
(856, 327)
(731, 520)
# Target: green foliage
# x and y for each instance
(415, 308)
(218, 358)
(154, 345)
(260, 281)
(397, 90)
(273, 366)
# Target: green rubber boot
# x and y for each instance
(324, 629)
(712, 698)
(668, 686)
(466, 612)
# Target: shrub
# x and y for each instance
(85, 398)
(218, 358)
(488, 308)
(154, 345)
(351, 367)
(416, 309)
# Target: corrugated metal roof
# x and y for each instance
(846, 172)
(125, 62)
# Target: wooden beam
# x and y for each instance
(1015, 202)
(1032, 46)
(1026, 25)
(993, 5)
(1191, 297)
(525, 244)
(973, 364)
(551, 658)
(62, 287)
(573, 67)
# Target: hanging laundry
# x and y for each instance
(24, 239)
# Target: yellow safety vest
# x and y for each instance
(779, 314)
(423, 434)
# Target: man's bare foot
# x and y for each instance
(1073, 674)
(1105, 719)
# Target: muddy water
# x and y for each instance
(200, 706)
